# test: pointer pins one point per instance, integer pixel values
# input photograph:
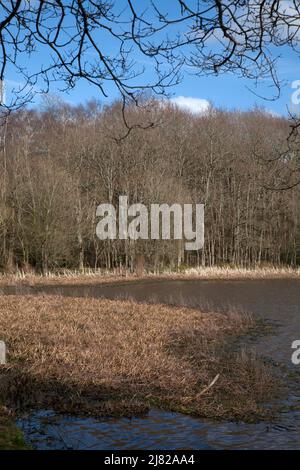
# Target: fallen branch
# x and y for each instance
(209, 386)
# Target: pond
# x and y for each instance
(276, 301)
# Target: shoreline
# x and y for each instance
(11, 437)
(94, 277)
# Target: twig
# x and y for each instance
(209, 386)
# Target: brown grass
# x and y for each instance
(90, 276)
(108, 357)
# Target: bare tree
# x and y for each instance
(106, 41)
(62, 163)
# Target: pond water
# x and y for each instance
(276, 301)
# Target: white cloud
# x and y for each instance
(191, 105)
(273, 113)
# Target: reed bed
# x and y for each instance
(104, 357)
(99, 276)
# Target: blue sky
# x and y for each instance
(225, 91)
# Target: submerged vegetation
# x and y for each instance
(10, 436)
(105, 357)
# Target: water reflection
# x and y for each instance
(159, 430)
(276, 301)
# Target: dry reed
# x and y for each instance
(105, 357)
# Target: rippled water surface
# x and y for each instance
(276, 301)
(44, 430)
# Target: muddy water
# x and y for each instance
(276, 301)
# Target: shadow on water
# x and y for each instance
(276, 301)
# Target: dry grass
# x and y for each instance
(120, 358)
(90, 276)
